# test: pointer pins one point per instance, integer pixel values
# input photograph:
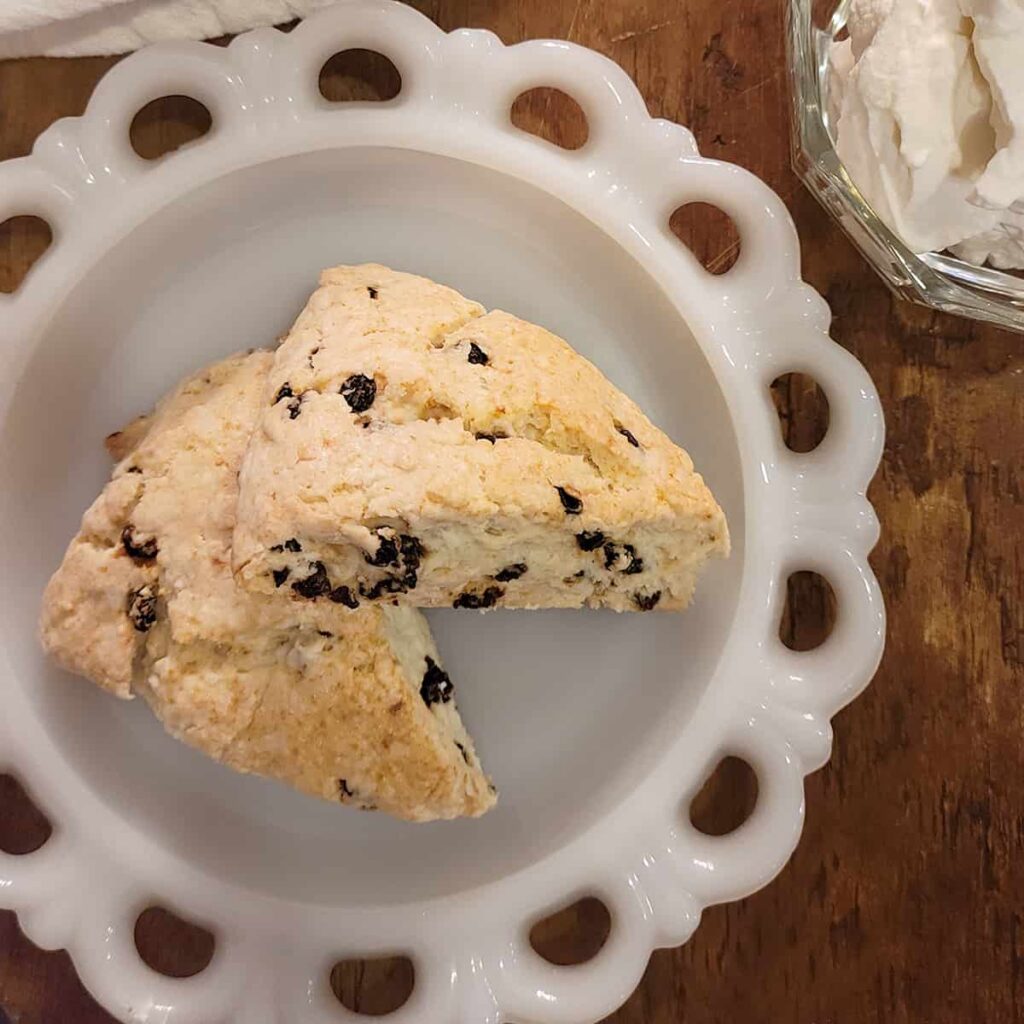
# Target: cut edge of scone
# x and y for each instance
(349, 707)
(414, 449)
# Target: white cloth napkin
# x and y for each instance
(74, 28)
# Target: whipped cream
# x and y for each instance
(927, 104)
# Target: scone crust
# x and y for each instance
(395, 403)
(317, 695)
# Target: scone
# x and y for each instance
(414, 449)
(352, 706)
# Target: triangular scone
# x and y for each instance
(414, 448)
(347, 705)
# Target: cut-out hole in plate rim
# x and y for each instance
(23, 240)
(359, 75)
(166, 124)
(552, 115)
(803, 411)
(172, 946)
(809, 612)
(726, 799)
(373, 987)
(23, 826)
(709, 233)
(574, 934)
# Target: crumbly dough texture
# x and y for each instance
(420, 450)
(351, 706)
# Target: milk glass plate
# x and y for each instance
(598, 728)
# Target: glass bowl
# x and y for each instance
(936, 279)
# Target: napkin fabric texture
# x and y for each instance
(74, 28)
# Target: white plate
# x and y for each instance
(598, 728)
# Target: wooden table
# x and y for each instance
(905, 898)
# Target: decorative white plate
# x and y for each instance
(598, 728)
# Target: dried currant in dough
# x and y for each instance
(572, 504)
(142, 607)
(628, 435)
(488, 599)
(315, 585)
(141, 552)
(623, 559)
(387, 549)
(411, 551)
(511, 572)
(636, 563)
(342, 595)
(359, 391)
(437, 687)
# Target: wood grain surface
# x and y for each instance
(905, 899)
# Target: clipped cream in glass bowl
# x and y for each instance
(907, 127)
